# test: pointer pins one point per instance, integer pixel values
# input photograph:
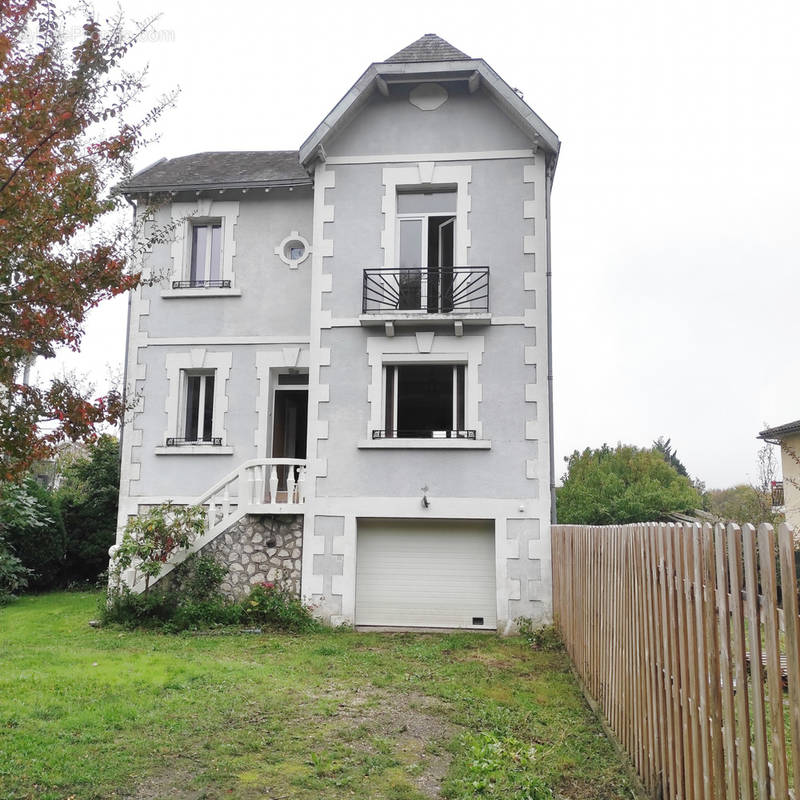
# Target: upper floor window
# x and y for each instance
(203, 249)
(426, 228)
(426, 277)
(205, 260)
(426, 225)
(424, 401)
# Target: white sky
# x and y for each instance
(674, 219)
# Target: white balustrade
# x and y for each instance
(255, 486)
(273, 484)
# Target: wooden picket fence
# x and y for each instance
(679, 634)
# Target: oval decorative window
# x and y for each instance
(293, 250)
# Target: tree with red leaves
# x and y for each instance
(65, 143)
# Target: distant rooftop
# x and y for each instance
(222, 169)
(430, 47)
(781, 430)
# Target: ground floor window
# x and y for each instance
(199, 407)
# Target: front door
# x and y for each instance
(289, 427)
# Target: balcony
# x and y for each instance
(433, 295)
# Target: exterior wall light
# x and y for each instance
(425, 502)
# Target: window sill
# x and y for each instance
(194, 450)
(425, 444)
(171, 293)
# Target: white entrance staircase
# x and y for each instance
(258, 486)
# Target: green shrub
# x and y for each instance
(205, 614)
(13, 574)
(271, 604)
(162, 608)
(151, 609)
(150, 539)
(541, 637)
(188, 597)
(88, 498)
(198, 578)
(31, 524)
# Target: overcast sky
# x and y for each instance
(675, 234)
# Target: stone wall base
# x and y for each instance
(260, 548)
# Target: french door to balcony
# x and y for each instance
(425, 248)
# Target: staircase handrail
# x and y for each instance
(253, 462)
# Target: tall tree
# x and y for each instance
(65, 141)
(664, 446)
(626, 484)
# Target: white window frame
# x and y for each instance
(424, 218)
(203, 374)
(454, 398)
(179, 366)
(208, 223)
(425, 348)
(203, 211)
(425, 177)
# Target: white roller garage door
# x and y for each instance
(426, 573)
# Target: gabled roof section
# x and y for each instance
(444, 63)
(781, 431)
(429, 47)
(226, 169)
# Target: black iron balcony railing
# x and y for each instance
(193, 284)
(177, 441)
(434, 290)
(422, 434)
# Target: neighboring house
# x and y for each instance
(50, 472)
(345, 354)
(788, 437)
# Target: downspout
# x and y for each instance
(548, 186)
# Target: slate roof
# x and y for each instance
(782, 430)
(222, 169)
(430, 47)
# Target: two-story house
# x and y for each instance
(344, 353)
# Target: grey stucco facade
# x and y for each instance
(281, 314)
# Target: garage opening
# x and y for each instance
(426, 573)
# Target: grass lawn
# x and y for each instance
(101, 713)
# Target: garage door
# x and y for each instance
(426, 573)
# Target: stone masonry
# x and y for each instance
(258, 548)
